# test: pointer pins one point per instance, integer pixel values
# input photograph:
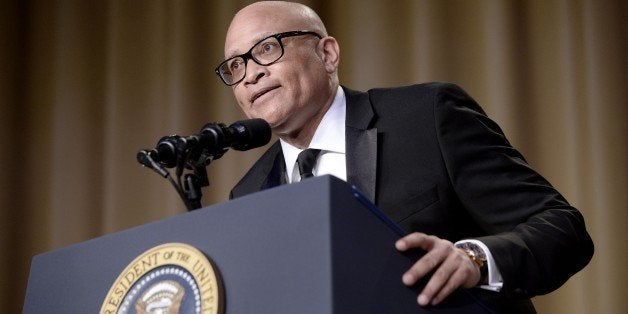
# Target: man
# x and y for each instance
(427, 155)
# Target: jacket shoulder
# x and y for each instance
(431, 89)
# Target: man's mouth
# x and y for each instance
(261, 93)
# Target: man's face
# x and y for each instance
(288, 92)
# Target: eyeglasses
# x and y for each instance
(265, 52)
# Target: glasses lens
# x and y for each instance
(232, 70)
(267, 51)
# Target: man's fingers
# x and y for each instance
(456, 271)
(431, 260)
(415, 240)
(453, 283)
(441, 279)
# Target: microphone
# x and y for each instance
(241, 135)
(165, 152)
(215, 138)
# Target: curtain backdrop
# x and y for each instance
(85, 84)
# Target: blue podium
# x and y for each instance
(312, 247)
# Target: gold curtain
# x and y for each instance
(85, 84)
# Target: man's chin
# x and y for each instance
(278, 127)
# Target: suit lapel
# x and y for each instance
(276, 175)
(266, 173)
(361, 143)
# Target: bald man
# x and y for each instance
(426, 155)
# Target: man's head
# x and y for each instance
(294, 92)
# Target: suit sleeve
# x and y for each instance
(537, 239)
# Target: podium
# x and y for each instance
(312, 247)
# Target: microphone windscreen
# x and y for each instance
(250, 134)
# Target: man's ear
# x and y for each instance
(329, 51)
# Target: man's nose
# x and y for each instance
(254, 72)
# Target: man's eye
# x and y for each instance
(235, 65)
(268, 47)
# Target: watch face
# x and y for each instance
(473, 248)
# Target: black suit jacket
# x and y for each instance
(430, 158)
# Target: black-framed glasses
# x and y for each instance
(265, 52)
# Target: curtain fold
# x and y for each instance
(85, 84)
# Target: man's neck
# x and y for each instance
(302, 136)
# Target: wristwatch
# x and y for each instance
(477, 255)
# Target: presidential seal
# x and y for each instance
(167, 279)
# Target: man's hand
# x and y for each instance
(452, 267)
